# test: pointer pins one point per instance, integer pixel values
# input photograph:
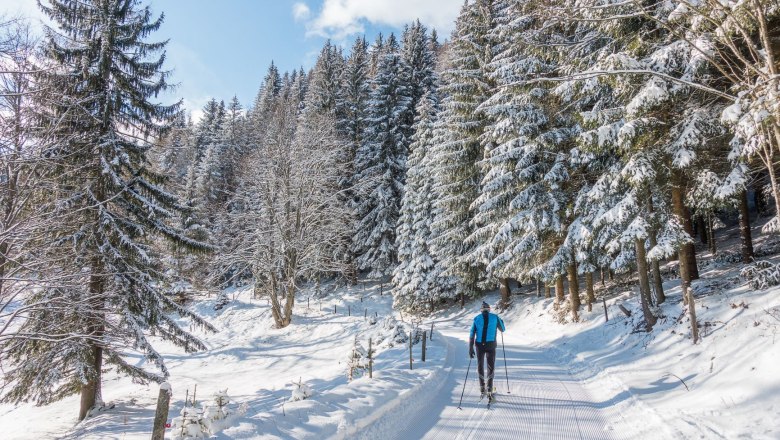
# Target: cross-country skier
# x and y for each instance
(483, 333)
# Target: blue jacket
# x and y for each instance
(479, 330)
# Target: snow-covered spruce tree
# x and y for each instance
(209, 127)
(380, 165)
(215, 173)
(109, 206)
(325, 80)
(175, 151)
(352, 111)
(457, 147)
(234, 137)
(354, 94)
(260, 114)
(737, 41)
(417, 53)
(658, 130)
(375, 53)
(522, 218)
(418, 284)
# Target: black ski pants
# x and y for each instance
(486, 350)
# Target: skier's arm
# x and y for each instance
(501, 324)
(471, 339)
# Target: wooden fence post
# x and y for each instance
(410, 350)
(370, 360)
(425, 338)
(161, 414)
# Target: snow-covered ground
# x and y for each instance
(592, 379)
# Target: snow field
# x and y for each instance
(588, 380)
(731, 375)
(258, 363)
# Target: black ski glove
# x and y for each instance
(471, 351)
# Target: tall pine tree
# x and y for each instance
(380, 165)
(109, 205)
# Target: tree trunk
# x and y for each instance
(773, 180)
(644, 284)
(559, 295)
(276, 307)
(574, 292)
(504, 289)
(711, 235)
(589, 289)
(603, 282)
(91, 391)
(655, 268)
(701, 227)
(547, 293)
(758, 198)
(290, 302)
(538, 288)
(744, 228)
(687, 252)
(351, 274)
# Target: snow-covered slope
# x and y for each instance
(592, 379)
(723, 387)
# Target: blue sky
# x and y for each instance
(221, 48)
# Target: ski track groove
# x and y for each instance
(545, 402)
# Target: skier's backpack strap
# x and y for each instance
(485, 317)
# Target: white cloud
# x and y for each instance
(301, 11)
(340, 18)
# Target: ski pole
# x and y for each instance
(464, 384)
(506, 370)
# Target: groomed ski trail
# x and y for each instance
(545, 402)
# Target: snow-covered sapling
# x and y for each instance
(357, 361)
(189, 425)
(301, 391)
(216, 413)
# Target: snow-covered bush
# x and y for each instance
(770, 247)
(189, 425)
(393, 332)
(222, 300)
(762, 274)
(216, 413)
(301, 391)
(195, 423)
(728, 257)
(357, 361)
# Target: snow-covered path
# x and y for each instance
(544, 401)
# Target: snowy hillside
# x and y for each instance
(592, 379)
